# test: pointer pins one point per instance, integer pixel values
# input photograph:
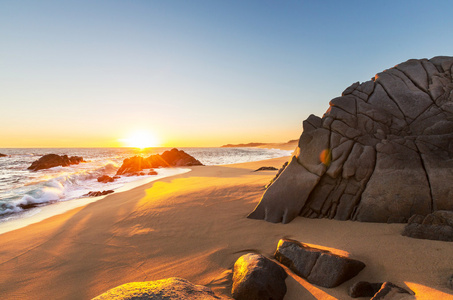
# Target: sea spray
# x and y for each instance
(21, 188)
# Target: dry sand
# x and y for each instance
(194, 226)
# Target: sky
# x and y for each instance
(195, 73)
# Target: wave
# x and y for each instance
(60, 186)
(21, 189)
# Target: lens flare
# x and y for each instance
(325, 156)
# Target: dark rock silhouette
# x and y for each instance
(266, 169)
(318, 266)
(256, 277)
(133, 165)
(105, 179)
(3, 155)
(169, 289)
(171, 158)
(381, 153)
(29, 205)
(54, 160)
(174, 158)
(364, 289)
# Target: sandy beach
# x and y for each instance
(194, 226)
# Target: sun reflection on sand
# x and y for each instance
(426, 293)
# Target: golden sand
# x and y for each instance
(194, 226)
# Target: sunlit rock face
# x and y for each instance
(165, 289)
(381, 153)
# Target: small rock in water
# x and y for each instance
(53, 160)
(29, 205)
(171, 158)
(98, 193)
(105, 179)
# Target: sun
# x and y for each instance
(141, 139)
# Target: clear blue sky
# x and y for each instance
(207, 73)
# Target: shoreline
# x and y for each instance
(194, 226)
(40, 213)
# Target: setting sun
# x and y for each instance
(141, 139)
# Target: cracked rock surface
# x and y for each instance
(382, 152)
(391, 291)
(318, 266)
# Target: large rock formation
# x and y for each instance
(382, 152)
(133, 165)
(53, 160)
(165, 289)
(171, 158)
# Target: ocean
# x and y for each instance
(20, 187)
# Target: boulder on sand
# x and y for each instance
(54, 160)
(390, 291)
(435, 226)
(256, 277)
(364, 289)
(318, 266)
(381, 153)
(169, 289)
(171, 158)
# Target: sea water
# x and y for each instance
(19, 186)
